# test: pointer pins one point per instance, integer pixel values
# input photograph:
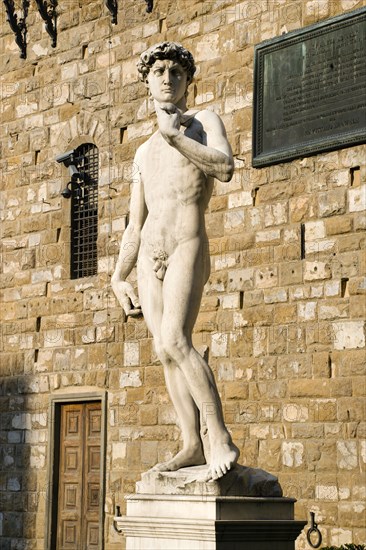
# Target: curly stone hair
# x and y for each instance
(166, 50)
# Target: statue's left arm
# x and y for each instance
(214, 156)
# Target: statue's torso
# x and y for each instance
(176, 194)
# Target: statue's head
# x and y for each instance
(166, 50)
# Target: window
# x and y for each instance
(84, 213)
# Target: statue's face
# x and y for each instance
(167, 81)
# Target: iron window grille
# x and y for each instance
(84, 213)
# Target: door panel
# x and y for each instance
(91, 492)
(79, 477)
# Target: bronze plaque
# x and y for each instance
(310, 90)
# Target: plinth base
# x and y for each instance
(207, 521)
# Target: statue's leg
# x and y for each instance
(188, 418)
(182, 292)
(150, 295)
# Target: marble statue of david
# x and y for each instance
(176, 167)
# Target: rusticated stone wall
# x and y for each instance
(285, 336)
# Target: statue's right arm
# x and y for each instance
(130, 245)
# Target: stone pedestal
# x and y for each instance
(177, 511)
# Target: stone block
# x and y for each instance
(241, 198)
(300, 208)
(332, 203)
(326, 492)
(315, 230)
(341, 387)
(348, 334)
(252, 298)
(133, 454)
(333, 309)
(131, 354)
(236, 390)
(12, 525)
(307, 431)
(272, 236)
(359, 535)
(359, 222)
(292, 454)
(321, 364)
(208, 48)
(351, 242)
(167, 415)
(338, 225)
(307, 311)
(234, 221)
(291, 273)
(149, 415)
(190, 29)
(145, 352)
(359, 386)
(295, 412)
(241, 344)
(226, 261)
(275, 214)
(219, 344)
(284, 313)
(149, 453)
(272, 296)
(240, 279)
(206, 321)
(347, 455)
(262, 314)
(105, 334)
(259, 256)
(357, 199)
(231, 301)
(141, 129)
(332, 288)
(309, 388)
(357, 285)
(351, 409)
(317, 270)
(266, 277)
(129, 73)
(130, 378)
(294, 366)
(218, 203)
(134, 395)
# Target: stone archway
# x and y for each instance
(84, 126)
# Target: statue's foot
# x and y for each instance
(223, 457)
(186, 457)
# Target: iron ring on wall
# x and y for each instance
(314, 529)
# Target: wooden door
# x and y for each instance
(79, 477)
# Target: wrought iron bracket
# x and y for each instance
(118, 514)
(18, 27)
(49, 16)
(112, 5)
(149, 5)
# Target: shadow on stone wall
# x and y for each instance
(23, 446)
